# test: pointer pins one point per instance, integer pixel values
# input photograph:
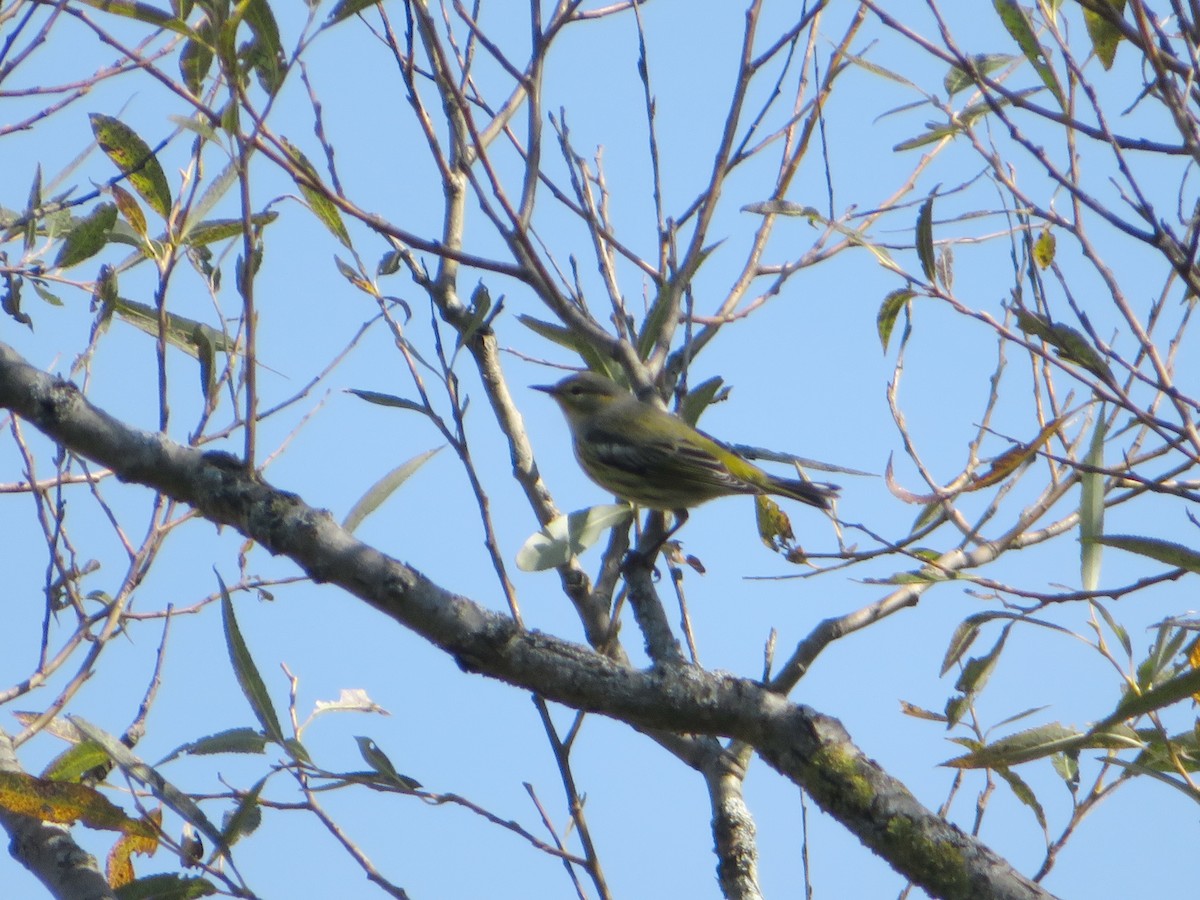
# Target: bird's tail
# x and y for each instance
(814, 493)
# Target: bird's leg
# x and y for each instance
(646, 555)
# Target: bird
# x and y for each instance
(652, 458)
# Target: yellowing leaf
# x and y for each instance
(135, 159)
(1043, 249)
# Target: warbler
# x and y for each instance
(650, 457)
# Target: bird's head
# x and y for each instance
(583, 394)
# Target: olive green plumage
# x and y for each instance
(647, 456)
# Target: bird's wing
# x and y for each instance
(664, 458)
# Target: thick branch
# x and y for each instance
(810, 749)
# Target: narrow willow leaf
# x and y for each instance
(246, 818)
(570, 535)
(248, 678)
(10, 300)
(382, 765)
(321, 206)
(384, 488)
(142, 12)
(925, 239)
(265, 52)
(1105, 36)
(128, 206)
(1091, 508)
(213, 230)
(74, 762)
(380, 399)
(1115, 627)
(234, 740)
(1016, 21)
(167, 887)
(565, 337)
(1181, 687)
(889, 311)
(1167, 552)
(150, 777)
(699, 398)
(656, 319)
(1024, 793)
(186, 334)
(196, 57)
(1011, 460)
(960, 642)
(977, 671)
(135, 159)
(344, 9)
(88, 236)
(782, 208)
(1025, 746)
(984, 63)
(481, 305)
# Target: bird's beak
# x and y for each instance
(545, 388)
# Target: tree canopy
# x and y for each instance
(275, 282)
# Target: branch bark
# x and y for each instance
(810, 749)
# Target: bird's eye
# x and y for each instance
(576, 389)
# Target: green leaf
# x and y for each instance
(186, 334)
(10, 300)
(1168, 552)
(925, 238)
(246, 671)
(1115, 627)
(136, 769)
(74, 762)
(196, 57)
(481, 305)
(698, 399)
(665, 303)
(380, 399)
(135, 159)
(1069, 345)
(382, 766)
(977, 671)
(322, 207)
(889, 311)
(1024, 746)
(565, 337)
(1091, 508)
(569, 535)
(984, 63)
(213, 230)
(962, 639)
(344, 9)
(246, 817)
(234, 740)
(1105, 36)
(1024, 793)
(87, 237)
(166, 887)
(783, 208)
(142, 12)
(1016, 21)
(384, 488)
(1181, 687)
(265, 51)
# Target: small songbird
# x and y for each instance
(650, 457)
